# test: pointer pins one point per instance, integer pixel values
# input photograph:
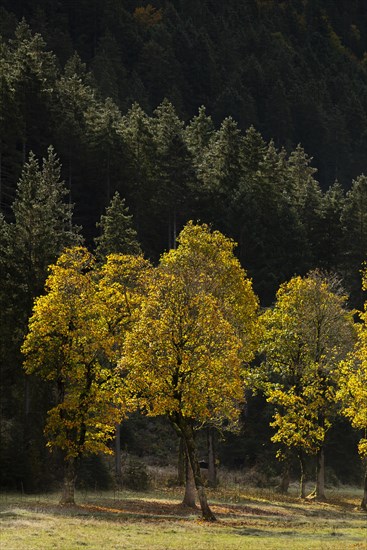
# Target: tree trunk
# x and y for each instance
(181, 462)
(319, 492)
(174, 229)
(285, 480)
(169, 231)
(68, 489)
(190, 490)
(188, 434)
(212, 470)
(24, 150)
(364, 499)
(302, 483)
(118, 456)
(1, 188)
(108, 178)
(320, 475)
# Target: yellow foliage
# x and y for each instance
(306, 334)
(121, 286)
(205, 261)
(147, 16)
(197, 328)
(75, 333)
(352, 390)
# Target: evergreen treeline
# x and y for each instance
(118, 90)
(267, 198)
(294, 69)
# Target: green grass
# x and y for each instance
(247, 519)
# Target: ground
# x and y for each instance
(251, 519)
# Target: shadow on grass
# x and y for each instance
(139, 509)
(166, 509)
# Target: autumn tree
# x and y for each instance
(148, 16)
(353, 387)
(306, 333)
(117, 236)
(185, 356)
(121, 287)
(76, 330)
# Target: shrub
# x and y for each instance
(135, 475)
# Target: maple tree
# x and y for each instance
(121, 286)
(75, 332)
(147, 16)
(185, 356)
(306, 333)
(353, 386)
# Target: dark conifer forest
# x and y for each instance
(247, 115)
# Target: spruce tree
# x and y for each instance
(198, 134)
(137, 132)
(43, 223)
(174, 170)
(41, 229)
(329, 243)
(220, 172)
(117, 232)
(306, 197)
(102, 122)
(354, 222)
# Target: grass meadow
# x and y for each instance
(248, 518)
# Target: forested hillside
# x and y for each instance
(294, 69)
(247, 115)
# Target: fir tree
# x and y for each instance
(42, 228)
(117, 232)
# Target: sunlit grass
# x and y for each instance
(248, 518)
